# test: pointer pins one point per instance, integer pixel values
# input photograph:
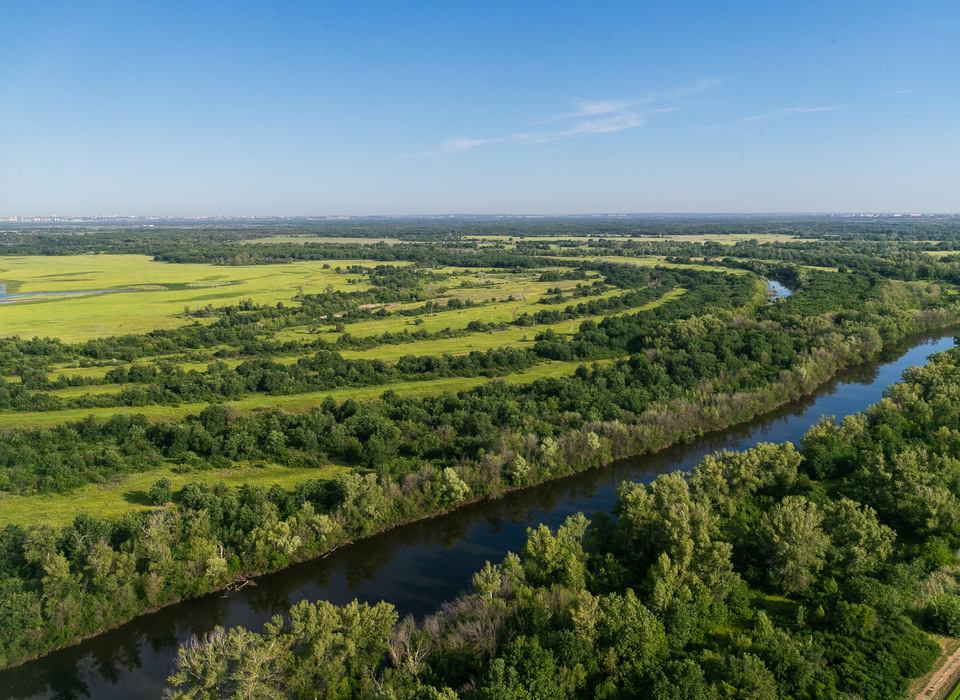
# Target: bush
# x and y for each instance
(161, 492)
(944, 614)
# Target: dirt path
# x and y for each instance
(943, 679)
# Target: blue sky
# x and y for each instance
(417, 107)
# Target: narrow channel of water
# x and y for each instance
(778, 290)
(418, 566)
(13, 298)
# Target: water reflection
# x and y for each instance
(418, 566)
(776, 290)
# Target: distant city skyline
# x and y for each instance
(318, 109)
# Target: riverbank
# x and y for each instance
(371, 553)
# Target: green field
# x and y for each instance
(512, 337)
(653, 261)
(129, 493)
(495, 312)
(153, 294)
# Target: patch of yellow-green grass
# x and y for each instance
(129, 493)
(233, 362)
(505, 282)
(300, 240)
(456, 319)
(100, 371)
(450, 346)
(654, 260)
(432, 387)
(512, 337)
(941, 253)
(729, 238)
(85, 372)
(153, 294)
(302, 334)
(725, 633)
(10, 420)
(72, 392)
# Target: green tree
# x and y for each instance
(859, 542)
(796, 546)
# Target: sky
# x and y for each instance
(363, 107)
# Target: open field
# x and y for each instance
(97, 372)
(75, 391)
(512, 337)
(151, 294)
(653, 261)
(129, 493)
(497, 312)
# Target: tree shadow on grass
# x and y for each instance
(140, 498)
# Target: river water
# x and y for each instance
(416, 567)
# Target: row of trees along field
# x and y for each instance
(166, 382)
(247, 326)
(714, 356)
(771, 573)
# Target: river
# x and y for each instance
(416, 567)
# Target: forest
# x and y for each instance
(463, 360)
(773, 573)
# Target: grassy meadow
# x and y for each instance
(151, 295)
(129, 493)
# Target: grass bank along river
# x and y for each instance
(417, 566)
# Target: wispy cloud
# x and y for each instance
(792, 110)
(774, 114)
(588, 117)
